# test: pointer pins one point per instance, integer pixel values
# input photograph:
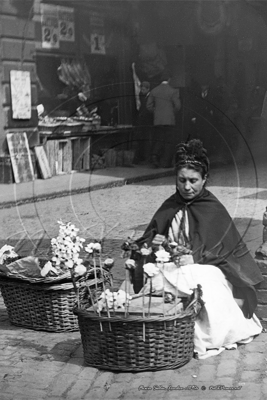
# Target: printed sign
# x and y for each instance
(66, 24)
(42, 162)
(50, 26)
(98, 44)
(20, 157)
(20, 82)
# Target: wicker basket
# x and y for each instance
(135, 343)
(46, 306)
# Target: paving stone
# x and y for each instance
(79, 389)
(257, 347)
(134, 393)
(253, 361)
(115, 391)
(72, 368)
(261, 338)
(249, 391)
(206, 373)
(102, 379)
(27, 397)
(140, 385)
(250, 376)
(40, 381)
(98, 394)
(174, 378)
(264, 387)
(88, 373)
(229, 354)
(226, 368)
(20, 388)
(124, 377)
(62, 383)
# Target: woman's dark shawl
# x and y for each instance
(214, 240)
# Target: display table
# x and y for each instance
(70, 151)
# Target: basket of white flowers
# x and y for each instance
(41, 294)
(123, 331)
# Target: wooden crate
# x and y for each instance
(64, 156)
(51, 149)
(59, 155)
(81, 149)
(6, 171)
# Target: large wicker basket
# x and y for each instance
(135, 343)
(46, 306)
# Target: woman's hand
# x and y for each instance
(186, 259)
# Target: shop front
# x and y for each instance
(84, 93)
(66, 84)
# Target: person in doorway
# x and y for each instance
(144, 124)
(164, 101)
(218, 259)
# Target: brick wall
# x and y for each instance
(17, 52)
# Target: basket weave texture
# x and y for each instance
(136, 344)
(47, 307)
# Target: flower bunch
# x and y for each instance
(94, 247)
(150, 269)
(8, 254)
(66, 251)
(113, 300)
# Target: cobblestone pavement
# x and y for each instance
(37, 365)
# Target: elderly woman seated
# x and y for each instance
(218, 259)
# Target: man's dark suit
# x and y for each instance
(164, 102)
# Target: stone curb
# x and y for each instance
(115, 183)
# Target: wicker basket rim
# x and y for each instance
(46, 280)
(56, 286)
(133, 318)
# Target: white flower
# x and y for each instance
(80, 269)
(89, 248)
(71, 230)
(56, 260)
(69, 264)
(7, 252)
(162, 256)
(97, 247)
(108, 263)
(130, 264)
(113, 300)
(145, 251)
(47, 268)
(150, 269)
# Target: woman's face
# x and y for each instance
(189, 183)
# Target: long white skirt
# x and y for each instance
(221, 324)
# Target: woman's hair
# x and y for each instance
(192, 155)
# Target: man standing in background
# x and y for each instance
(144, 124)
(164, 101)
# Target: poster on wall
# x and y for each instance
(20, 82)
(50, 26)
(98, 44)
(66, 24)
(97, 38)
